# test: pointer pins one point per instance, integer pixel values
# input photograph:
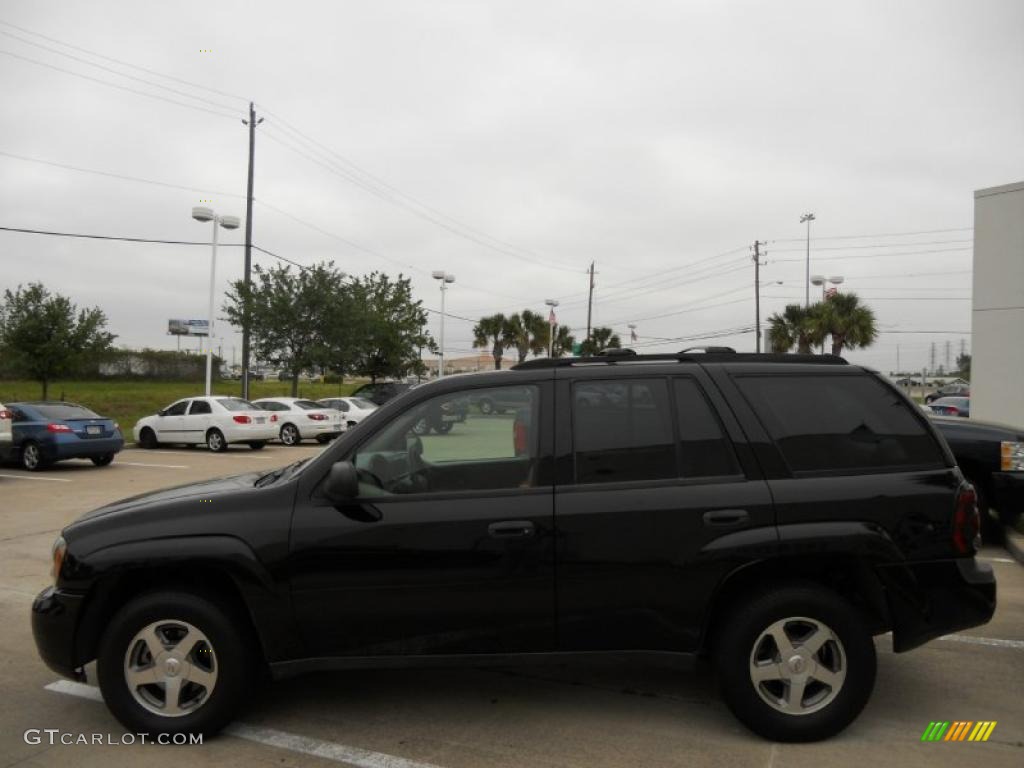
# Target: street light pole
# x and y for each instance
(808, 218)
(551, 325)
(446, 279)
(203, 214)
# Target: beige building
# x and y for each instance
(997, 311)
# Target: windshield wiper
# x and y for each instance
(277, 474)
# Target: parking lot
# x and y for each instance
(595, 714)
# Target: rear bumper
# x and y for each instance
(930, 599)
(74, 447)
(242, 433)
(55, 617)
(1008, 491)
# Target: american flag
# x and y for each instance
(632, 334)
(551, 317)
(831, 292)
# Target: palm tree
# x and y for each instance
(490, 332)
(600, 339)
(527, 332)
(798, 326)
(564, 342)
(851, 323)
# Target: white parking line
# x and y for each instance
(293, 742)
(997, 560)
(33, 477)
(993, 642)
(140, 464)
(201, 452)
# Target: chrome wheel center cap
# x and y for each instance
(172, 667)
(797, 665)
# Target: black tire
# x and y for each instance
(104, 460)
(486, 407)
(232, 663)
(421, 427)
(215, 441)
(258, 445)
(290, 435)
(740, 639)
(147, 439)
(323, 439)
(444, 428)
(32, 457)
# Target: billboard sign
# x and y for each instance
(188, 327)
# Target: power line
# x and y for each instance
(874, 245)
(884, 234)
(878, 255)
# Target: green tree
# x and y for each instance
(564, 341)
(491, 332)
(963, 365)
(288, 314)
(795, 326)
(527, 332)
(45, 336)
(850, 323)
(601, 338)
(389, 328)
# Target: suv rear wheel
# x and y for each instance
(796, 664)
(172, 662)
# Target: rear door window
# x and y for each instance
(199, 407)
(622, 431)
(704, 448)
(840, 423)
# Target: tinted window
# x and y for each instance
(272, 406)
(840, 423)
(441, 446)
(308, 405)
(622, 430)
(178, 409)
(705, 450)
(236, 404)
(61, 411)
(199, 407)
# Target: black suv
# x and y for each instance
(382, 391)
(773, 513)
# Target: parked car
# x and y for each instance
(794, 508)
(991, 457)
(48, 431)
(487, 404)
(6, 421)
(382, 391)
(950, 390)
(216, 422)
(952, 406)
(353, 409)
(300, 419)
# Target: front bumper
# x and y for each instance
(1008, 492)
(55, 616)
(930, 599)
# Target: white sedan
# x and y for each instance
(353, 409)
(213, 421)
(299, 419)
(6, 429)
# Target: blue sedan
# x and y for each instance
(45, 432)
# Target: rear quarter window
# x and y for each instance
(845, 423)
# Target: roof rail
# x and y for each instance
(625, 358)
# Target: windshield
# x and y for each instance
(65, 411)
(236, 404)
(360, 402)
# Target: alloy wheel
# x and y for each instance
(170, 668)
(289, 435)
(30, 456)
(798, 665)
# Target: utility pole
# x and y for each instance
(252, 122)
(807, 218)
(948, 344)
(933, 359)
(590, 299)
(757, 294)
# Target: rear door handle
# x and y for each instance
(725, 517)
(510, 529)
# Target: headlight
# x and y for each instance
(60, 547)
(1012, 456)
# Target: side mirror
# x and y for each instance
(342, 482)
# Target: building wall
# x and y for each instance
(997, 314)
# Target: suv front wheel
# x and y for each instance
(796, 664)
(174, 662)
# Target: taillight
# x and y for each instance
(242, 419)
(273, 418)
(58, 428)
(317, 416)
(5, 414)
(519, 438)
(966, 521)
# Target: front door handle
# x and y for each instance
(510, 529)
(726, 517)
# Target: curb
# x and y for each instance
(1014, 543)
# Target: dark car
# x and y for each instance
(382, 391)
(771, 512)
(950, 390)
(49, 431)
(991, 457)
(952, 406)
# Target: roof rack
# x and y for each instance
(712, 355)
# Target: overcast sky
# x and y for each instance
(519, 141)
